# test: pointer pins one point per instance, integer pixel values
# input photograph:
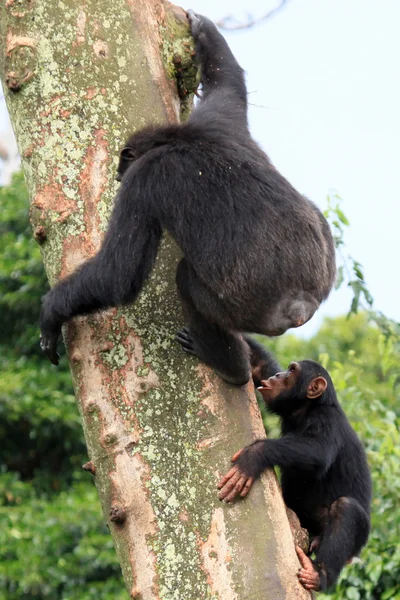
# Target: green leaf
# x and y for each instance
(352, 594)
(369, 299)
(339, 277)
(342, 216)
(390, 593)
(357, 268)
(356, 300)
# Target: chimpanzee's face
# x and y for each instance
(280, 383)
(286, 392)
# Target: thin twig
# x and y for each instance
(230, 23)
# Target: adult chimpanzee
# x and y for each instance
(325, 476)
(258, 256)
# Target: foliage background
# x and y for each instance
(53, 541)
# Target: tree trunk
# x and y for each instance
(79, 76)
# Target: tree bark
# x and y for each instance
(79, 76)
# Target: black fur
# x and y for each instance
(258, 256)
(325, 476)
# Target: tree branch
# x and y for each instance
(230, 23)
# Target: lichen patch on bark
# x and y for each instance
(148, 24)
(81, 26)
(209, 392)
(216, 555)
(93, 182)
(18, 41)
(129, 486)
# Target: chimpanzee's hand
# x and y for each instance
(48, 344)
(194, 22)
(247, 467)
(50, 329)
(200, 26)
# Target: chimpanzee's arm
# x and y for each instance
(115, 275)
(224, 94)
(296, 451)
(263, 364)
(292, 450)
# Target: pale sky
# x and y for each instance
(325, 74)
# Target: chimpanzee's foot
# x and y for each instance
(188, 343)
(222, 351)
(307, 575)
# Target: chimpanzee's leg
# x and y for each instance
(219, 348)
(343, 537)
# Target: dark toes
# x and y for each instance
(187, 349)
(185, 340)
(184, 334)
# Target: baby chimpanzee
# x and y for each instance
(325, 476)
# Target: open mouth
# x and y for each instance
(265, 386)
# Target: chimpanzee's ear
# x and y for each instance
(128, 154)
(317, 387)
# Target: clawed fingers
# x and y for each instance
(234, 484)
(192, 17)
(49, 347)
(226, 477)
(247, 487)
(233, 488)
(230, 485)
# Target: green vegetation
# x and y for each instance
(53, 541)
